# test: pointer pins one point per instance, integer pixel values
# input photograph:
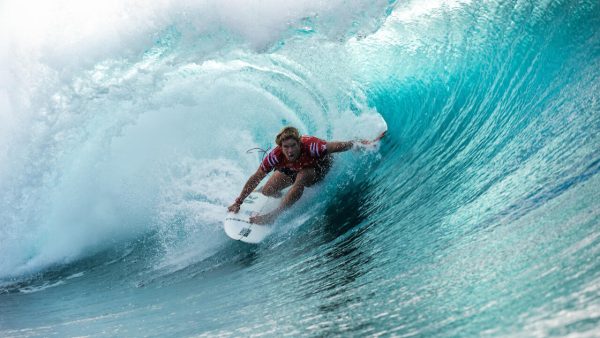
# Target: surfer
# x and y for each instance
(299, 162)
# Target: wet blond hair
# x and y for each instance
(287, 133)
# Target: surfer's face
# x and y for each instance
(291, 149)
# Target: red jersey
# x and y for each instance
(312, 150)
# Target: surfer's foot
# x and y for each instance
(263, 219)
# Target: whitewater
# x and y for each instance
(125, 130)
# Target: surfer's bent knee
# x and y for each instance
(270, 191)
(307, 177)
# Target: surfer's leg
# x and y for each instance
(321, 170)
(277, 182)
(305, 178)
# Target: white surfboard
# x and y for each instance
(238, 226)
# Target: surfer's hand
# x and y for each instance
(235, 207)
(369, 143)
(379, 137)
(263, 219)
(375, 140)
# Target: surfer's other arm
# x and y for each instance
(250, 185)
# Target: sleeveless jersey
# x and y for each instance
(312, 151)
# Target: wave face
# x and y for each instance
(124, 134)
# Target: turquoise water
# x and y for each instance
(124, 137)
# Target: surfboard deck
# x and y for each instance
(238, 226)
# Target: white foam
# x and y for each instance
(92, 28)
(75, 275)
(32, 289)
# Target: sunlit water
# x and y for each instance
(124, 130)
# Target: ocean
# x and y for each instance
(127, 128)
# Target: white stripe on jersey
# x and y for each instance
(270, 160)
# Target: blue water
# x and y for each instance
(124, 131)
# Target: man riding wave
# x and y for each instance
(299, 162)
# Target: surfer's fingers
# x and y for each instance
(375, 140)
(380, 136)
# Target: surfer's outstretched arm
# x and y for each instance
(250, 185)
(337, 146)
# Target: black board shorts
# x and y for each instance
(322, 168)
